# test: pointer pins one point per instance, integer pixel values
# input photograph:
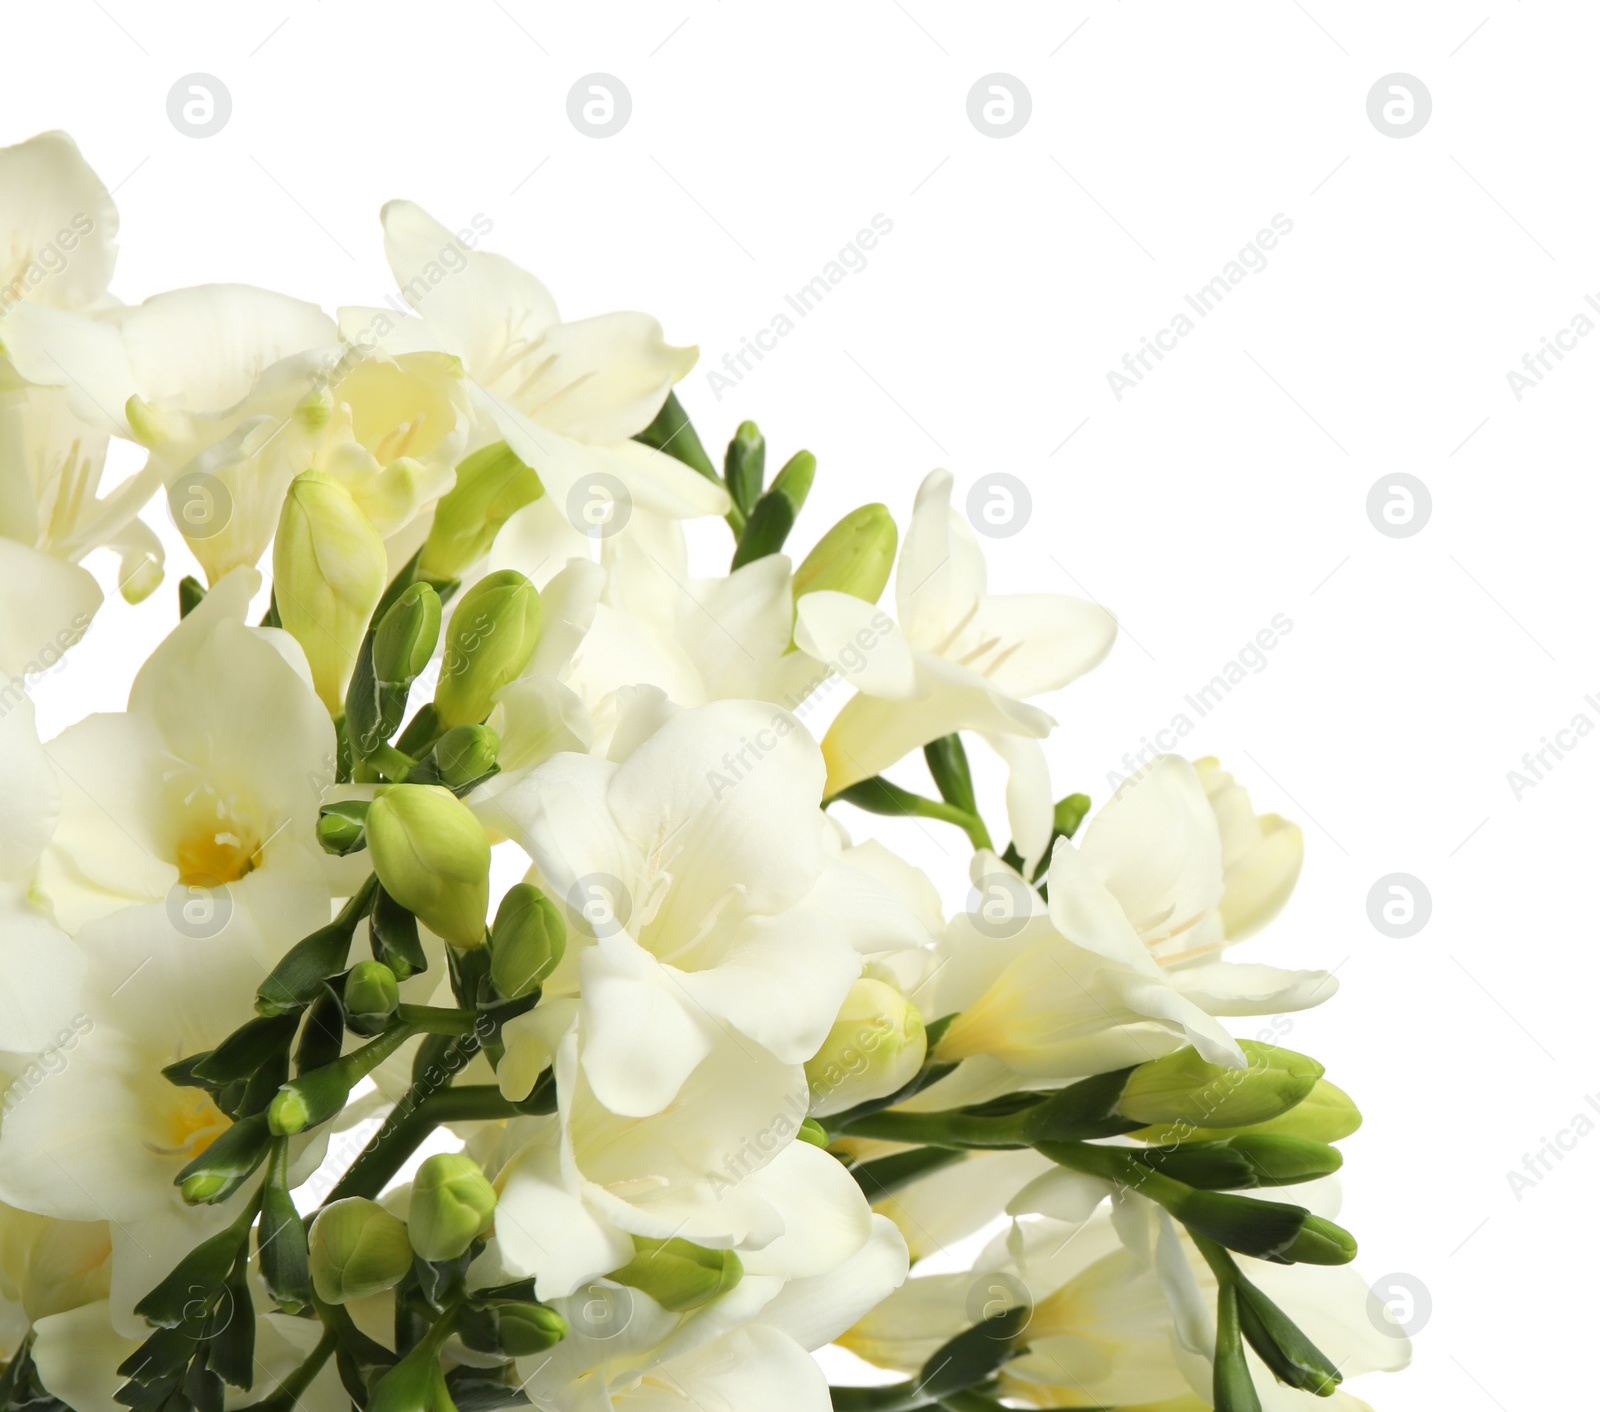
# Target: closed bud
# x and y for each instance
(527, 943)
(357, 1249)
(202, 1187)
(1319, 1242)
(432, 857)
(854, 557)
(875, 1047)
(793, 482)
(452, 1204)
(526, 1329)
(371, 990)
(493, 632)
(679, 1274)
(465, 754)
(1184, 1088)
(491, 486)
(406, 636)
(342, 827)
(328, 569)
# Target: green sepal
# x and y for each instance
(191, 594)
(771, 519)
(247, 1049)
(298, 978)
(974, 1355)
(672, 432)
(794, 481)
(230, 1159)
(744, 467)
(394, 936)
(204, 1269)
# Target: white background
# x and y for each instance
(1229, 486)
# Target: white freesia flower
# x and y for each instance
(200, 801)
(103, 1138)
(697, 875)
(961, 659)
(58, 229)
(720, 1168)
(567, 397)
(1122, 965)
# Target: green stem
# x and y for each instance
(890, 1397)
(291, 1388)
(878, 796)
(435, 1019)
(956, 1130)
(400, 1137)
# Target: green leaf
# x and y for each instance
(947, 762)
(298, 978)
(394, 937)
(184, 1296)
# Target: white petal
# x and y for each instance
(547, 1232)
(941, 571)
(859, 641)
(45, 606)
(77, 1353)
(1235, 988)
(1029, 805)
(1156, 847)
(826, 1219)
(815, 1311)
(59, 223)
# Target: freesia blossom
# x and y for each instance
(1122, 964)
(961, 659)
(698, 874)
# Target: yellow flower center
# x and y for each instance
(190, 1123)
(208, 857)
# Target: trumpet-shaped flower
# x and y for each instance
(704, 894)
(1122, 964)
(960, 659)
(567, 397)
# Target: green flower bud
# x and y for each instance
(493, 632)
(875, 1047)
(432, 857)
(371, 990)
(357, 1249)
(526, 1329)
(406, 637)
(528, 941)
(1184, 1088)
(202, 1187)
(813, 1132)
(1320, 1242)
(465, 754)
(342, 827)
(793, 482)
(491, 486)
(289, 1112)
(744, 466)
(452, 1204)
(329, 569)
(854, 557)
(679, 1274)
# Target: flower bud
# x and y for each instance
(406, 636)
(1326, 1114)
(357, 1249)
(491, 486)
(452, 1204)
(493, 632)
(854, 557)
(793, 482)
(679, 1274)
(465, 754)
(371, 990)
(202, 1187)
(528, 941)
(342, 827)
(1183, 1087)
(526, 1329)
(328, 569)
(432, 857)
(875, 1047)
(1319, 1242)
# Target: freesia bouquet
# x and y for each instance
(305, 1108)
